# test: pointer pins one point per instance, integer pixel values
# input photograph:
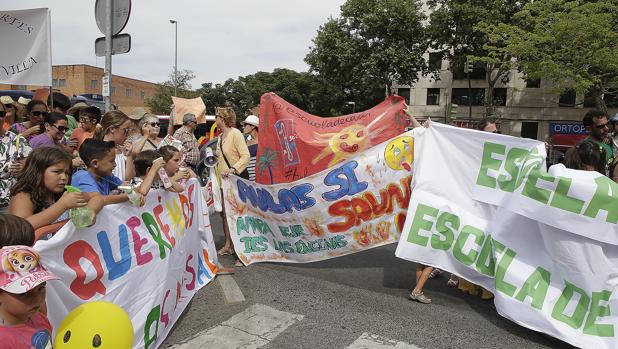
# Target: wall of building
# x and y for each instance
(523, 104)
(126, 93)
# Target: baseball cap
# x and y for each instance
(252, 120)
(21, 269)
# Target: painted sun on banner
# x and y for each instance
(358, 204)
(295, 144)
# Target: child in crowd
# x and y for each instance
(39, 195)
(586, 155)
(100, 159)
(172, 158)
(15, 231)
(22, 291)
(147, 165)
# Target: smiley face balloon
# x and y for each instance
(399, 153)
(101, 325)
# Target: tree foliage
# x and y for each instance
(372, 46)
(305, 90)
(161, 102)
(573, 43)
(455, 32)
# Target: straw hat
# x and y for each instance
(7, 100)
(23, 100)
(137, 114)
(76, 108)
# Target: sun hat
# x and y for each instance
(7, 100)
(76, 108)
(137, 114)
(21, 270)
(252, 120)
(23, 100)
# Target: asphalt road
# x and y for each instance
(357, 301)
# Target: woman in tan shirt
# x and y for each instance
(232, 150)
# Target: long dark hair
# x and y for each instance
(32, 180)
(588, 153)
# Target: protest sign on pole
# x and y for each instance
(194, 106)
(295, 144)
(150, 261)
(358, 204)
(26, 36)
(485, 208)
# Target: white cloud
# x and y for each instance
(216, 39)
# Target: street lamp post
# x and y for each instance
(353, 104)
(175, 23)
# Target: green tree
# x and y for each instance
(161, 100)
(372, 46)
(572, 43)
(454, 32)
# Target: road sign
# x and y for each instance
(120, 44)
(121, 10)
(106, 88)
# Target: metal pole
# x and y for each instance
(108, 52)
(175, 23)
(469, 100)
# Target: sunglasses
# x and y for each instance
(602, 126)
(154, 124)
(61, 129)
(39, 113)
(85, 119)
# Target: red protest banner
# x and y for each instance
(294, 144)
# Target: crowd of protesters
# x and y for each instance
(48, 145)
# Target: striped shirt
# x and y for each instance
(251, 165)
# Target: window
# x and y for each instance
(435, 61)
(567, 98)
(128, 92)
(54, 82)
(19, 87)
(500, 97)
(611, 98)
(405, 93)
(460, 96)
(529, 130)
(533, 83)
(94, 84)
(62, 83)
(433, 96)
(142, 95)
(112, 90)
(478, 73)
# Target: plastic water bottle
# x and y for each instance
(80, 216)
(134, 197)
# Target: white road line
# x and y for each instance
(370, 341)
(253, 328)
(229, 288)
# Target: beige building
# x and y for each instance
(126, 93)
(525, 108)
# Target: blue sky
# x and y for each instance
(216, 39)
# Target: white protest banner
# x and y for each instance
(560, 282)
(353, 206)
(26, 35)
(148, 260)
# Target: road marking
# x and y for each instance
(229, 288)
(253, 328)
(371, 341)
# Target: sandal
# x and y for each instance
(225, 251)
(239, 263)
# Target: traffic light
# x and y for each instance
(453, 111)
(468, 67)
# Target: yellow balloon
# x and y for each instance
(399, 153)
(101, 325)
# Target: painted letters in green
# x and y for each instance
(466, 231)
(577, 319)
(597, 310)
(419, 223)
(488, 162)
(447, 222)
(536, 287)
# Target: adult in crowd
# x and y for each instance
(149, 126)
(597, 123)
(233, 157)
(62, 104)
(614, 143)
(136, 132)
(587, 156)
(250, 129)
(36, 111)
(89, 117)
(189, 142)
(10, 107)
(487, 125)
(115, 126)
(53, 128)
(13, 152)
